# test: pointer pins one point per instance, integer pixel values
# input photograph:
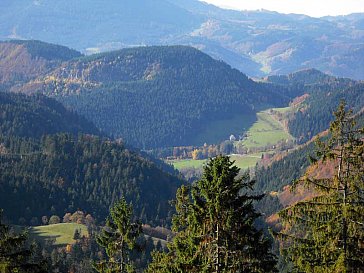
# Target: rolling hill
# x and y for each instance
(322, 96)
(256, 42)
(53, 161)
(156, 96)
(35, 116)
(63, 173)
(21, 61)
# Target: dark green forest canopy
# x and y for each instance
(320, 105)
(156, 96)
(63, 173)
(35, 116)
(324, 94)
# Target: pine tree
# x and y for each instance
(326, 233)
(15, 255)
(118, 238)
(214, 225)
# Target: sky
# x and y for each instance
(314, 8)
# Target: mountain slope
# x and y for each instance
(257, 43)
(322, 96)
(51, 164)
(63, 173)
(35, 116)
(21, 61)
(155, 96)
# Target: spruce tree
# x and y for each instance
(118, 238)
(214, 225)
(15, 254)
(326, 233)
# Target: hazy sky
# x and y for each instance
(315, 8)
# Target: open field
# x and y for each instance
(283, 110)
(266, 131)
(187, 163)
(220, 130)
(246, 161)
(241, 161)
(62, 233)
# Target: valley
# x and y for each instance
(256, 142)
(163, 138)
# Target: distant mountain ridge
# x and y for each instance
(155, 96)
(163, 96)
(257, 43)
(22, 61)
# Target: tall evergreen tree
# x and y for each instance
(326, 233)
(15, 255)
(118, 238)
(214, 226)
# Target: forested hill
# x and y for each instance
(63, 173)
(315, 113)
(155, 96)
(52, 162)
(24, 60)
(306, 77)
(35, 116)
(258, 43)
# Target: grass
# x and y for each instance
(246, 161)
(62, 233)
(220, 130)
(241, 161)
(283, 110)
(265, 131)
(187, 163)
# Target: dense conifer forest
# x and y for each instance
(155, 96)
(35, 116)
(130, 212)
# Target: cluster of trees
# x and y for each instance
(275, 176)
(194, 152)
(35, 116)
(15, 254)
(316, 113)
(215, 220)
(213, 225)
(68, 172)
(326, 233)
(156, 96)
(22, 60)
(50, 52)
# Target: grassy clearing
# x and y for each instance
(62, 233)
(246, 161)
(265, 131)
(241, 161)
(220, 130)
(187, 163)
(283, 110)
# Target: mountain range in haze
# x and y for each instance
(257, 43)
(164, 96)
